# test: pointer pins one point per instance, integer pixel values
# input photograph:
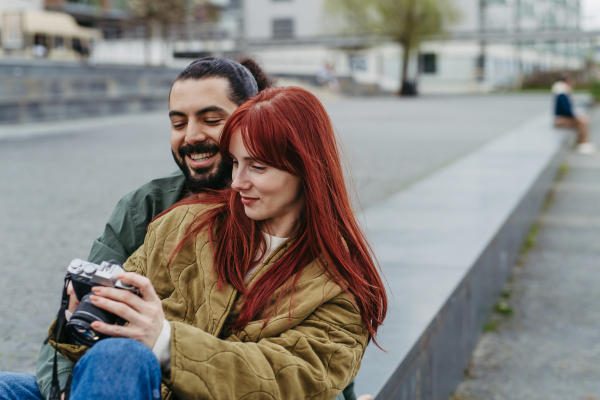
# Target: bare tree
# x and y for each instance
(407, 22)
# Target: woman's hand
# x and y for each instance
(145, 315)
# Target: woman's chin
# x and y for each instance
(253, 214)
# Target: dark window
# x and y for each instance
(427, 63)
(40, 39)
(59, 42)
(283, 28)
(76, 44)
(357, 63)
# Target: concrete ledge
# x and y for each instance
(61, 91)
(446, 247)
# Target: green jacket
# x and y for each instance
(306, 344)
(123, 235)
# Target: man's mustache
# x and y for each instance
(201, 147)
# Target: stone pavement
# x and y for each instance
(544, 340)
(57, 190)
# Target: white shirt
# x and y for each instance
(162, 347)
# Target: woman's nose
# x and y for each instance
(239, 181)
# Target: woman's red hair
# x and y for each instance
(289, 129)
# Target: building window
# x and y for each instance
(76, 44)
(427, 63)
(357, 63)
(283, 28)
(59, 42)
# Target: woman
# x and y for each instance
(265, 291)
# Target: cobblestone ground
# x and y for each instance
(549, 348)
(57, 190)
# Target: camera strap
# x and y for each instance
(60, 321)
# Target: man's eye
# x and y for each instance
(176, 126)
(213, 121)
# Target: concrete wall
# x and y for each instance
(32, 92)
(446, 246)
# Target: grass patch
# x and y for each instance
(562, 171)
(531, 238)
(491, 326)
(503, 308)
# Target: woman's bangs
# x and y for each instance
(265, 137)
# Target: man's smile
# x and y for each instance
(199, 160)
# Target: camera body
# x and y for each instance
(85, 275)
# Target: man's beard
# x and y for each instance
(203, 178)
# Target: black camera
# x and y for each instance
(85, 275)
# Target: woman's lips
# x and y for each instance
(248, 200)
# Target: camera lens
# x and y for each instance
(79, 327)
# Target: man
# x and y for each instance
(202, 98)
(565, 116)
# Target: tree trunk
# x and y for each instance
(404, 84)
(148, 44)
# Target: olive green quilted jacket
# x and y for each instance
(312, 353)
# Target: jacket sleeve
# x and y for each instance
(120, 237)
(315, 359)
(43, 370)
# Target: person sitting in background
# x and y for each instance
(565, 116)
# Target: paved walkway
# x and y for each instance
(59, 182)
(550, 347)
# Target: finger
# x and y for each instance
(112, 330)
(142, 283)
(121, 296)
(120, 309)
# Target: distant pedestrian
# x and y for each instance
(565, 116)
(326, 77)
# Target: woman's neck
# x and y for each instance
(280, 227)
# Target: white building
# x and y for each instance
(293, 37)
(27, 30)
(21, 5)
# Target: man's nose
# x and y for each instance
(194, 133)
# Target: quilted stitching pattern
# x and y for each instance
(312, 354)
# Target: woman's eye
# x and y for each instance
(259, 168)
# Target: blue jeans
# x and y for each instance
(113, 369)
(18, 387)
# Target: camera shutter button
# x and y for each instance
(89, 269)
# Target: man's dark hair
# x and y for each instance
(245, 78)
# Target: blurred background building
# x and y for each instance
(493, 47)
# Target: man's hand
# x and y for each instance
(145, 315)
(73, 302)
